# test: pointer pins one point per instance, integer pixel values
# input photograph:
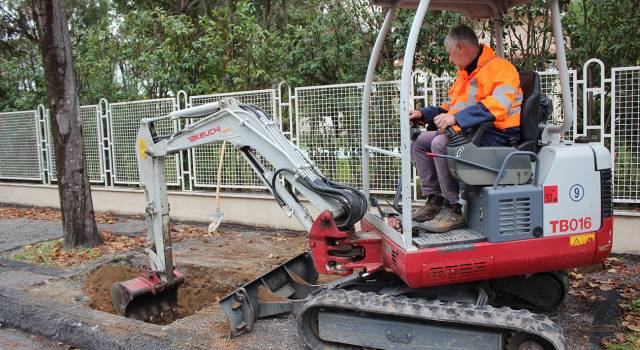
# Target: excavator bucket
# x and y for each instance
(281, 290)
(147, 297)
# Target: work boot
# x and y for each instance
(449, 218)
(430, 209)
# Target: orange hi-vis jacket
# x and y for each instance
(490, 93)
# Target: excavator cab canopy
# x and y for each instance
(469, 8)
(488, 9)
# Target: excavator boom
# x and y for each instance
(257, 136)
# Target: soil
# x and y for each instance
(98, 285)
(214, 266)
(203, 286)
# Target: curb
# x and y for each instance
(87, 328)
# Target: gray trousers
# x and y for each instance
(434, 172)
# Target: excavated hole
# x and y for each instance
(203, 286)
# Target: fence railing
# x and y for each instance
(322, 120)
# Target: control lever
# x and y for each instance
(414, 132)
(455, 138)
(375, 204)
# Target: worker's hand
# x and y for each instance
(443, 120)
(415, 117)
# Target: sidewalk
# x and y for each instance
(53, 302)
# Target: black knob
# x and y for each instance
(414, 132)
(581, 139)
(537, 232)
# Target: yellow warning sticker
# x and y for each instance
(582, 239)
(142, 149)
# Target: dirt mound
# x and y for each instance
(203, 286)
(98, 285)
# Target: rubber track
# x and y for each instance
(486, 316)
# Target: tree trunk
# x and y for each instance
(78, 221)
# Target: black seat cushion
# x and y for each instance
(530, 109)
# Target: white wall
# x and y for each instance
(258, 209)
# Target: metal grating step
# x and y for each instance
(454, 237)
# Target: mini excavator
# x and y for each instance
(533, 210)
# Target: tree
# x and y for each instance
(20, 66)
(78, 220)
(528, 36)
(603, 29)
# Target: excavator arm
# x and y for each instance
(257, 136)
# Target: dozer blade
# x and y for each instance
(281, 290)
(147, 297)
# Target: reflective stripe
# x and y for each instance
(503, 89)
(514, 111)
(471, 99)
(500, 94)
(473, 91)
(518, 99)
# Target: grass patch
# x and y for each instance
(53, 253)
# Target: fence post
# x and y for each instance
(282, 106)
(42, 132)
(587, 101)
(186, 179)
(106, 144)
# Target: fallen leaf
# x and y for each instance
(633, 327)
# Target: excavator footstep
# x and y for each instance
(147, 297)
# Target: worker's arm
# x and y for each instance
(495, 107)
(428, 113)
(474, 115)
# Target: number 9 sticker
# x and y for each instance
(576, 193)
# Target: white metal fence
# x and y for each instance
(625, 111)
(325, 122)
(236, 173)
(91, 133)
(20, 139)
(124, 118)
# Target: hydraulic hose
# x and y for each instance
(352, 202)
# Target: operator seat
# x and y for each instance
(463, 152)
(530, 116)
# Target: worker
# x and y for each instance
(486, 89)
